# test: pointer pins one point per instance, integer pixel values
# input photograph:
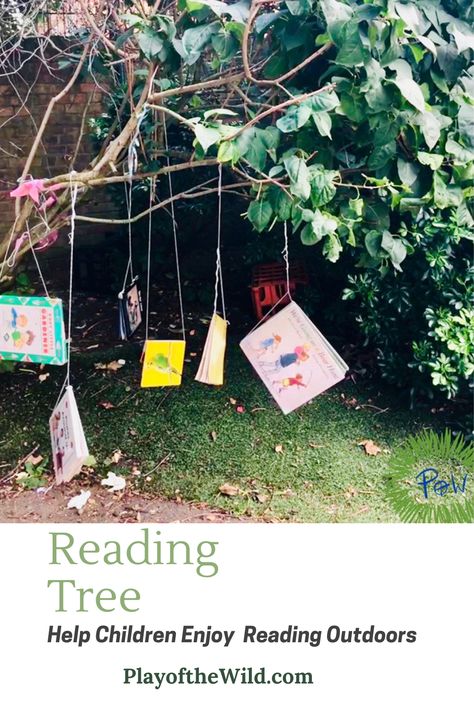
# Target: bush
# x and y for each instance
(421, 321)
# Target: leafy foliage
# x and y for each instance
(423, 318)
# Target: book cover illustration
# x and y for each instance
(293, 358)
(130, 310)
(163, 363)
(32, 329)
(211, 367)
(68, 442)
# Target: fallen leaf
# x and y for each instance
(136, 471)
(261, 498)
(370, 447)
(43, 377)
(106, 405)
(117, 456)
(113, 365)
(116, 483)
(279, 448)
(213, 435)
(192, 333)
(132, 432)
(78, 502)
(229, 490)
(34, 460)
(232, 401)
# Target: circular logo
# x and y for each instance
(431, 479)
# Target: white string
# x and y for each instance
(148, 269)
(71, 274)
(37, 262)
(66, 383)
(287, 293)
(128, 202)
(132, 165)
(218, 279)
(287, 260)
(175, 235)
(6, 259)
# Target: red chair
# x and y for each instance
(269, 285)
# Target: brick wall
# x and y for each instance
(22, 107)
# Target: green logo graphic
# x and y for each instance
(431, 479)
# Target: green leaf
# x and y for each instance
(260, 213)
(395, 249)
(406, 85)
(280, 202)
(336, 14)
(433, 160)
(228, 152)
(332, 247)
(430, 127)
(462, 155)
(299, 177)
(466, 124)
(407, 171)
(206, 136)
(238, 11)
(323, 123)
(225, 45)
(321, 225)
(322, 185)
(382, 155)
(376, 95)
(445, 195)
(195, 39)
(295, 117)
(266, 20)
(352, 52)
(324, 101)
(149, 42)
(373, 243)
(298, 7)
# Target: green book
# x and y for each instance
(32, 329)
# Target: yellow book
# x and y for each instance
(211, 368)
(163, 363)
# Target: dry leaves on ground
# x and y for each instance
(370, 447)
(229, 490)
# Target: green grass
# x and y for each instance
(322, 475)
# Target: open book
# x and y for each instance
(211, 367)
(32, 329)
(293, 358)
(68, 442)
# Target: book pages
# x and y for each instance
(293, 358)
(211, 367)
(68, 441)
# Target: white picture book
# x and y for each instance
(68, 442)
(293, 358)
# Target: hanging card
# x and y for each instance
(68, 442)
(32, 329)
(211, 368)
(130, 310)
(163, 363)
(293, 359)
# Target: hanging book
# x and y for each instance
(130, 310)
(211, 368)
(293, 358)
(32, 329)
(68, 442)
(163, 363)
